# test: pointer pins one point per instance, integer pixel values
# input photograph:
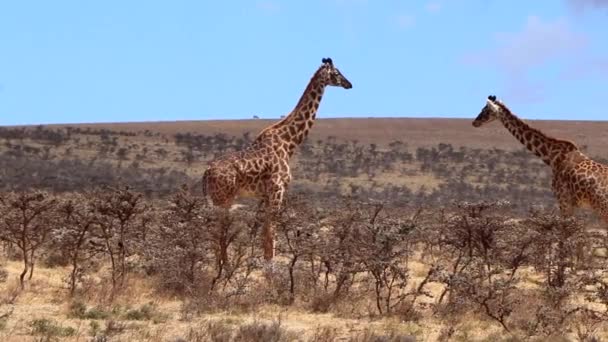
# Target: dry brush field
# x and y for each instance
(394, 230)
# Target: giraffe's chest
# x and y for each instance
(253, 186)
(247, 192)
(586, 181)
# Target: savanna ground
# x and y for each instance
(395, 230)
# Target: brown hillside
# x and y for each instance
(382, 131)
(399, 159)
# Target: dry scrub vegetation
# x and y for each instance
(112, 265)
(375, 243)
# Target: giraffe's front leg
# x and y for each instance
(273, 207)
(563, 195)
(566, 208)
(567, 202)
(260, 217)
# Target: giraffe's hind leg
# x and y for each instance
(273, 207)
(599, 203)
(566, 207)
(268, 233)
(220, 186)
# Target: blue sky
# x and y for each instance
(106, 61)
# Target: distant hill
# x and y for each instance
(382, 131)
(409, 160)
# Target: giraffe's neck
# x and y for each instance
(296, 126)
(550, 150)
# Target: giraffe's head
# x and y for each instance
(330, 75)
(490, 112)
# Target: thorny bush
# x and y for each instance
(77, 222)
(527, 274)
(122, 225)
(27, 220)
(485, 259)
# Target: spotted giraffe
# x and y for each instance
(577, 179)
(262, 169)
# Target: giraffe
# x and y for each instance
(577, 179)
(262, 170)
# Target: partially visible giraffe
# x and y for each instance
(262, 169)
(577, 179)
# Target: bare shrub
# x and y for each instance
(370, 240)
(383, 250)
(557, 246)
(229, 244)
(352, 258)
(200, 253)
(229, 281)
(27, 223)
(178, 248)
(297, 227)
(482, 254)
(338, 249)
(77, 220)
(119, 211)
(480, 257)
(554, 253)
(352, 250)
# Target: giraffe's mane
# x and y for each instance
(572, 144)
(271, 127)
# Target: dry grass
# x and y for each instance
(45, 309)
